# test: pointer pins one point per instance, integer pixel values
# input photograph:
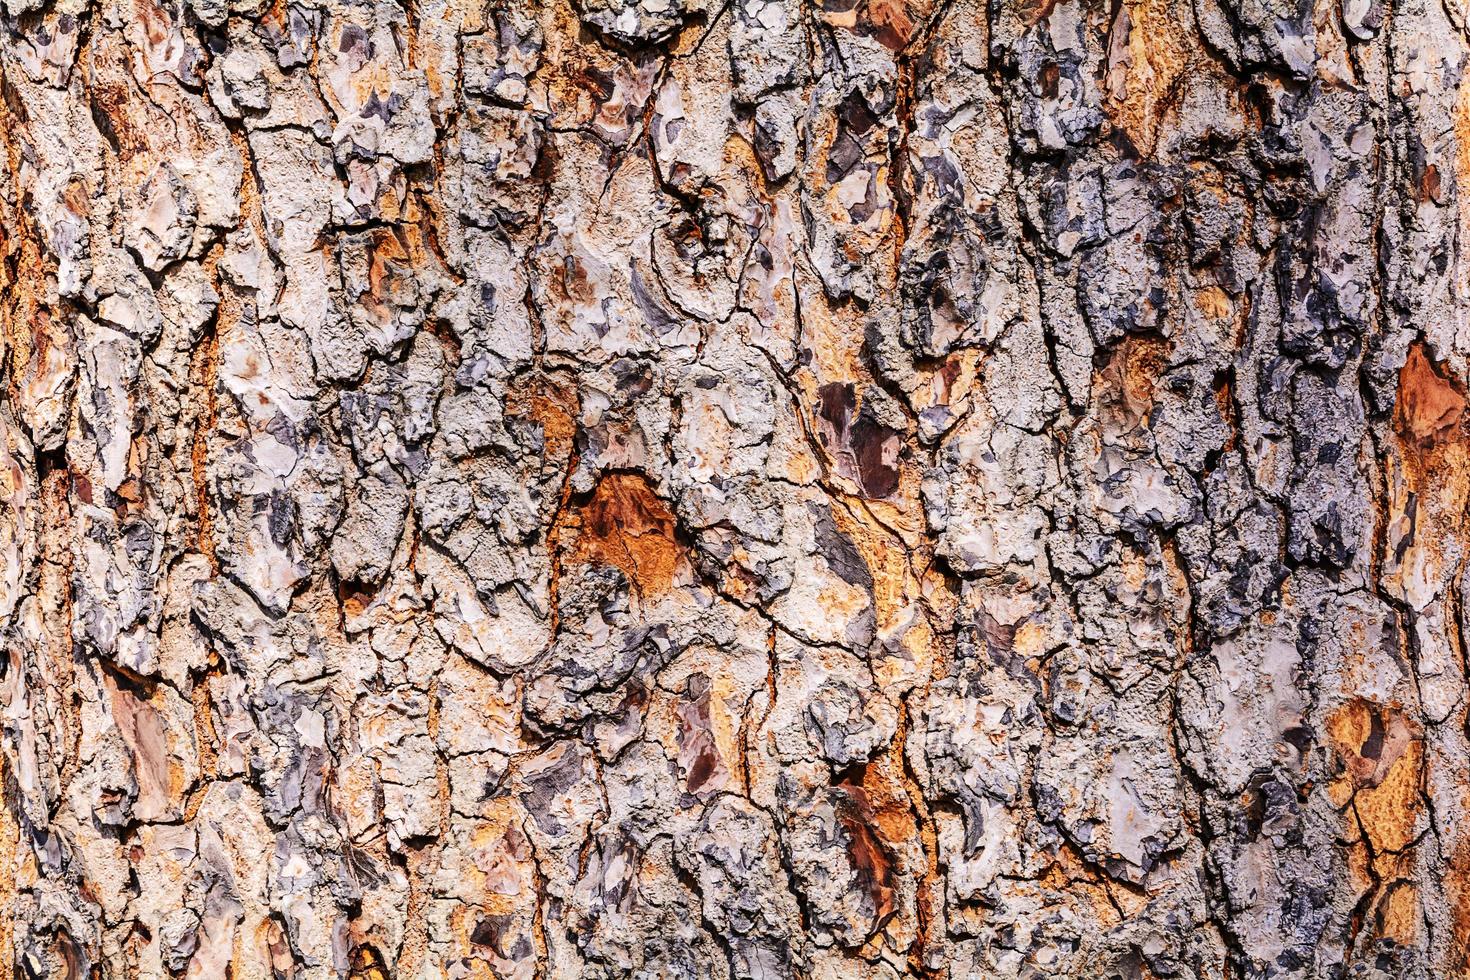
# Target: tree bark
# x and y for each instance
(767, 488)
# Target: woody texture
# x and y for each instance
(520, 489)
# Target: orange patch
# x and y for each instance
(1462, 134)
(1398, 914)
(625, 524)
(9, 878)
(1429, 405)
(1369, 739)
(891, 23)
(1457, 886)
(1382, 758)
(1430, 492)
(387, 282)
(367, 964)
(205, 367)
(1390, 810)
(1132, 375)
(1213, 303)
(1145, 69)
(554, 408)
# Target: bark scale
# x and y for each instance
(767, 488)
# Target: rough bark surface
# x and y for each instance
(734, 488)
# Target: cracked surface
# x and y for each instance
(767, 488)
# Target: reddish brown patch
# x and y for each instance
(625, 524)
(870, 858)
(354, 597)
(206, 739)
(1049, 79)
(270, 936)
(27, 324)
(1430, 405)
(699, 754)
(113, 107)
(1035, 11)
(863, 449)
(891, 23)
(1225, 405)
(75, 197)
(390, 276)
(142, 728)
(9, 882)
(1429, 185)
(551, 406)
(1428, 478)
(1132, 376)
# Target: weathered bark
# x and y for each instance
(763, 488)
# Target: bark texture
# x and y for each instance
(734, 488)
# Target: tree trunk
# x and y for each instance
(768, 488)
